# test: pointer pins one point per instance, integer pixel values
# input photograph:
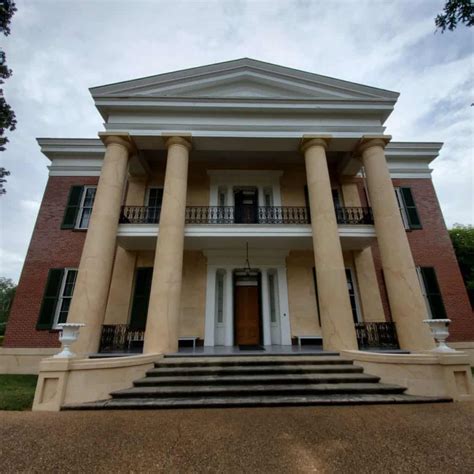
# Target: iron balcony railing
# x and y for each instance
(379, 335)
(121, 338)
(245, 215)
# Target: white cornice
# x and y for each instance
(198, 75)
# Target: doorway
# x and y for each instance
(246, 205)
(247, 308)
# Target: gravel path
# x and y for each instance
(375, 439)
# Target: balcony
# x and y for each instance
(245, 215)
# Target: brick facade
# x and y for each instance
(50, 247)
(431, 247)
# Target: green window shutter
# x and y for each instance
(72, 207)
(410, 208)
(141, 297)
(433, 294)
(50, 298)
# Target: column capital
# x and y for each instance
(368, 141)
(309, 141)
(123, 139)
(178, 140)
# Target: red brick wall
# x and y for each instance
(431, 247)
(50, 247)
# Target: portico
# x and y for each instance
(241, 206)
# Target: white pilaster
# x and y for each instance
(284, 307)
(229, 308)
(209, 325)
(267, 338)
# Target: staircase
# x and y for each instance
(251, 381)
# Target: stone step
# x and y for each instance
(243, 353)
(256, 379)
(253, 369)
(253, 401)
(247, 361)
(268, 390)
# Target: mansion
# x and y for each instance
(240, 209)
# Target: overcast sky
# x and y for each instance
(58, 49)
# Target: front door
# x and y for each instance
(247, 313)
(246, 206)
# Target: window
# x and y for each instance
(85, 210)
(336, 198)
(406, 203)
(431, 292)
(272, 295)
(65, 296)
(79, 207)
(57, 297)
(220, 297)
(352, 295)
(154, 202)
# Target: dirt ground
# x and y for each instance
(369, 439)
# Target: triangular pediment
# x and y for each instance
(243, 79)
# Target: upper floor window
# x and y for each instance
(154, 201)
(408, 211)
(79, 207)
(57, 297)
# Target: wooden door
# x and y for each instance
(247, 315)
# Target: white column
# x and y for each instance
(284, 307)
(261, 197)
(267, 336)
(213, 195)
(276, 194)
(209, 323)
(229, 308)
(230, 195)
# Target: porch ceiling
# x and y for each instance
(203, 237)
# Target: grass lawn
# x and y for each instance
(17, 391)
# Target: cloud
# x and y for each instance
(60, 48)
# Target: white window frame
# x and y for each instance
(220, 275)
(147, 194)
(80, 212)
(401, 206)
(356, 293)
(61, 296)
(423, 292)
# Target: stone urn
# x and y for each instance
(439, 329)
(68, 335)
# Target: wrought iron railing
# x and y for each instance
(233, 215)
(121, 338)
(379, 335)
(354, 215)
(139, 215)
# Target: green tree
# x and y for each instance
(454, 12)
(7, 292)
(7, 115)
(462, 237)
